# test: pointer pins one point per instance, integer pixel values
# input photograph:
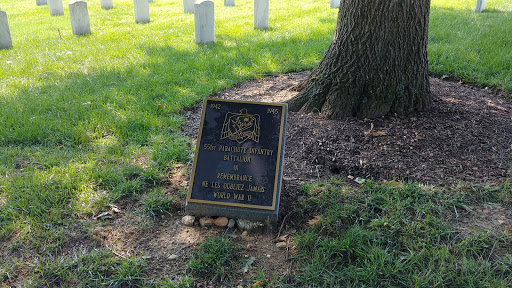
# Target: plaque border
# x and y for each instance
(279, 162)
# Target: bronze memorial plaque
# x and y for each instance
(238, 162)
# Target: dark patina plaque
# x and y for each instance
(238, 162)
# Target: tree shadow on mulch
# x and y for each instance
(465, 137)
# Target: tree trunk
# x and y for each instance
(376, 64)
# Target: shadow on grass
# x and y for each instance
(144, 101)
(88, 130)
(473, 47)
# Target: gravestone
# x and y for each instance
(238, 162)
(79, 17)
(479, 6)
(56, 8)
(107, 4)
(204, 22)
(188, 6)
(5, 33)
(41, 2)
(335, 3)
(229, 2)
(141, 11)
(261, 14)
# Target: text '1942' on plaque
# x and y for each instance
(238, 162)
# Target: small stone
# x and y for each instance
(282, 238)
(281, 245)
(249, 239)
(173, 257)
(221, 222)
(248, 225)
(231, 223)
(206, 221)
(103, 216)
(188, 220)
(245, 233)
(251, 246)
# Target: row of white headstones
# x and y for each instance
(203, 10)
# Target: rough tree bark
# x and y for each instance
(376, 64)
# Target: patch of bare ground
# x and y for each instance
(167, 245)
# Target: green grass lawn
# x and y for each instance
(474, 47)
(87, 122)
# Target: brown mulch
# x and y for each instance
(465, 137)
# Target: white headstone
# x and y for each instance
(261, 14)
(56, 7)
(229, 2)
(141, 11)
(5, 33)
(479, 5)
(79, 17)
(335, 3)
(107, 4)
(188, 6)
(41, 2)
(204, 22)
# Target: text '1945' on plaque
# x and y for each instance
(238, 162)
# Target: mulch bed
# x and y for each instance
(465, 137)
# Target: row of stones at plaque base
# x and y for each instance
(207, 221)
(282, 242)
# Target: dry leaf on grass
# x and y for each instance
(315, 220)
(104, 215)
(392, 183)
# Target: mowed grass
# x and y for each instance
(91, 122)
(131, 80)
(77, 112)
(474, 47)
(401, 235)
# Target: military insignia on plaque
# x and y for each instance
(241, 127)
